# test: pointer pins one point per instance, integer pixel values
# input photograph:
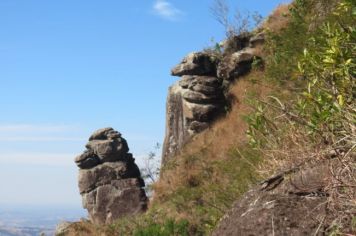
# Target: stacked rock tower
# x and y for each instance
(197, 99)
(193, 102)
(110, 182)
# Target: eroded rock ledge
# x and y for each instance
(110, 182)
(197, 99)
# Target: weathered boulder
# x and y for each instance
(109, 180)
(236, 64)
(88, 159)
(192, 103)
(198, 98)
(105, 133)
(196, 63)
(256, 40)
(235, 43)
(291, 203)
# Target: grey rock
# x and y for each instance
(236, 64)
(186, 80)
(176, 130)
(207, 80)
(197, 63)
(194, 98)
(105, 133)
(109, 150)
(109, 180)
(103, 174)
(87, 160)
(200, 98)
(197, 126)
(245, 55)
(294, 204)
(235, 43)
(256, 40)
(207, 90)
(115, 200)
(201, 112)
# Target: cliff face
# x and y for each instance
(192, 104)
(197, 99)
(109, 180)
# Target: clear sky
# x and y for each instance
(70, 67)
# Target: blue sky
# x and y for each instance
(70, 67)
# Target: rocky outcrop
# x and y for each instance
(291, 203)
(198, 63)
(193, 102)
(109, 180)
(236, 64)
(197, 99)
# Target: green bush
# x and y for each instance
(321, 116)
(326, 74)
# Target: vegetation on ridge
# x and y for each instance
(300, 108)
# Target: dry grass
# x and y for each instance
(194, 181)
(83, 228)
(209, 173)
(278, 19)
(217, 141)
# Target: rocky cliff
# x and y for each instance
(110, 182)
(198, 97)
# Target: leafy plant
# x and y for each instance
(320, 115)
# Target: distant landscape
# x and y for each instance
(32, 221)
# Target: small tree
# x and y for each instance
(239, 24)
(151, 170)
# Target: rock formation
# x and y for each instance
(290, 203)
(197, 99)
(109, 180)
(193, 102)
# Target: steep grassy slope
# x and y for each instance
(282, 115)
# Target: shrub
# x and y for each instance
(319, 119)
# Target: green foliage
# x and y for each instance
(335, 231)
(353, 223)
(257, 63)
(326, 72)
(284, 48)
(329, 69)
(169, 228)
(322, 113)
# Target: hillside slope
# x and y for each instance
(291, 125)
